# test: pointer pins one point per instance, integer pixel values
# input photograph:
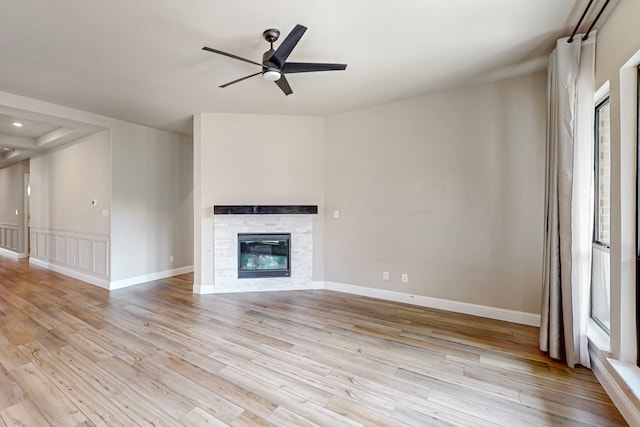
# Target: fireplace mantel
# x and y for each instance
(265, 209)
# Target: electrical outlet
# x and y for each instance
(336, 214)
(385, 275)
(171, 258)
(405, 278)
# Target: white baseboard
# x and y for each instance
(123, 283)
(496, 313)
(103, 283)
(614, 388)
(7, 252)
(23, 255)
(203, 289)
(106, 284)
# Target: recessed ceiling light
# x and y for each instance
(17, 124)
(7, 149)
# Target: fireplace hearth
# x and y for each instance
(264, 255)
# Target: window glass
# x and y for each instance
(600, 273)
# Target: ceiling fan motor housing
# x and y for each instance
(270, 72)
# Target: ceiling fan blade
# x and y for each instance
(230, 55)
(283, 84)
(306, 67)
(241, 79)
(287, 46)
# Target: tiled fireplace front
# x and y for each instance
(228, 223)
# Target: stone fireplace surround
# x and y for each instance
(228, 221)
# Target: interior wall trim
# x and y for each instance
(103, 283)
(131, 281)
(10, 253)
(85, 254)
(9, 236)
(523, 318)
(605, 373)
(203, 289)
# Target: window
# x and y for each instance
(600, 275)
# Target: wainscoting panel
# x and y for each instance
(83, 253)
(50, 240)
(72, 251)
(33, 242)
(9, 236)
(61, 249)
(100, 257)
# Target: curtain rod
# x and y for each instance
(584, 13)
(575, 30)
(586, 36)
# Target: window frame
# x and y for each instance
(597, 244)
(596, 167)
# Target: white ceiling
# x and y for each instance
(141, 60)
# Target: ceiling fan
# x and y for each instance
(274, 62)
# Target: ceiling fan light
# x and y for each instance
(271, 75)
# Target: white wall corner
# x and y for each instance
(496, 313)
(103, 283)
(203, 289)
(119, 284)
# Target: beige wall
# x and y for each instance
(617, 42)
(11, 194)
(63, 183)
(255, 159)
(152, 214)
(11, 199)
(447, 188)
(141, 177)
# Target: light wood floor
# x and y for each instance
(156, 354)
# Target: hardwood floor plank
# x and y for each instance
(251, 402)
(284, 417)
(100, 410)
(158, 355)
(198, 417)
(202, 397)
(10, 392)
(294, 400)
(24, 414)
(52, 403)
(116, 388)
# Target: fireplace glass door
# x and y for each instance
(264, 255)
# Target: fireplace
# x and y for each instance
(264, 255)
(296, 222)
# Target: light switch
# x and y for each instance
(336, 213)
(105, 213)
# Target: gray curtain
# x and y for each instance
(568, 201)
